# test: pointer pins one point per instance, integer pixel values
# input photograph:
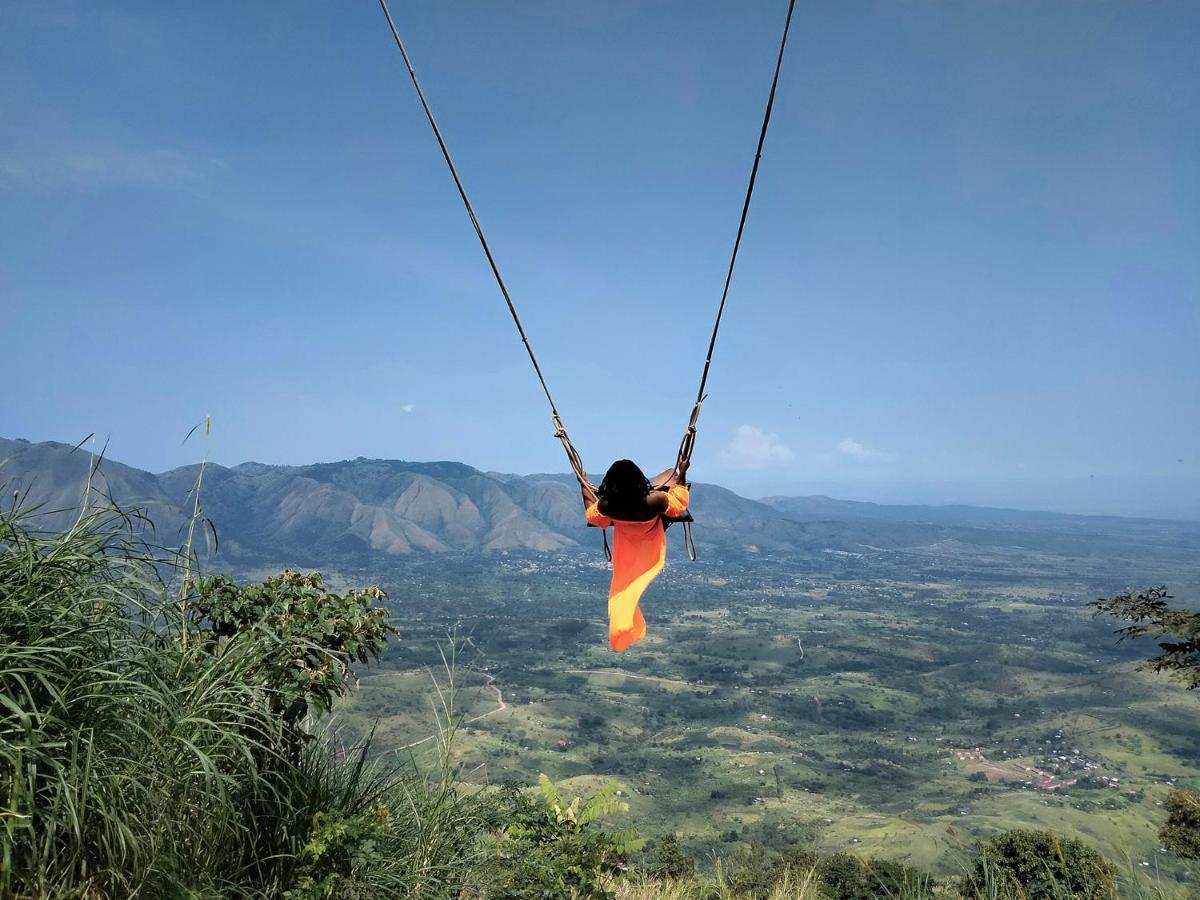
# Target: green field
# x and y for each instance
(815, 702)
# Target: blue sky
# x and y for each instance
(971, 272)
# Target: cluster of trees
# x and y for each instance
(1031, 865)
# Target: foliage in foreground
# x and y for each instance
(1181, 833)
(314, 634)
(1015, 865)
(670, 860)
(151, 750)
(549, 848)
(1040, 865)
(1152, 616)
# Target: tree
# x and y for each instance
(753, 873)
(846, 877)
(1039, 865)
(1151, 615)
(670, 860)
(306, 638)
(1181, 834)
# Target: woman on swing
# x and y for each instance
(635, 508)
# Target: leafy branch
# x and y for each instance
(1152, 616)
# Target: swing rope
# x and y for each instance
(686, 446)
(560, 430)
(684, 458)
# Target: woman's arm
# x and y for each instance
(591, 507)
(678, 498)
(657, 502)
(589, 494)
(667, 478)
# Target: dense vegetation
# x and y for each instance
(157, 739)
(156, 749)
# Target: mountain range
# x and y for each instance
(362, 509)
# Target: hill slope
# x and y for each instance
(357, 508)
(362, 509)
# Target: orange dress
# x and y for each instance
(639, 551)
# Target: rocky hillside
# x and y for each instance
(357, 508)
(364, 509)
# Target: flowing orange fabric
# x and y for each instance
(639, 551)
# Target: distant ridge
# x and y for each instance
(360, 508)
(818, 507)
(363, 510)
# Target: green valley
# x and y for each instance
(844, 703)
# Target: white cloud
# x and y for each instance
(853, 449)
(407, 407)
(753, 448)
(13, 169)
(109, 165)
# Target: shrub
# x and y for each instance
(339, 851)
(1038, 865)
(1181, 833)
(551, 849)
(844, 876)
(670, 860)
(753, 872)
(308, 637)
(140, 758)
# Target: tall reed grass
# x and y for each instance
(135, 763)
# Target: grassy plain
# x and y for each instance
(822, 700)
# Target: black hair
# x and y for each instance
(623, 491)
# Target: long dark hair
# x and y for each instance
(623, 491)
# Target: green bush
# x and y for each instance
(308, 637)
(844, 876)
(1039, 865)
(670, 860)
(340, 850)
(1181, 833)
(753, 872)
(140, 757)
(550, 849)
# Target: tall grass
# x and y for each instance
(127, 765)
(135, 763)
(792, 884)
